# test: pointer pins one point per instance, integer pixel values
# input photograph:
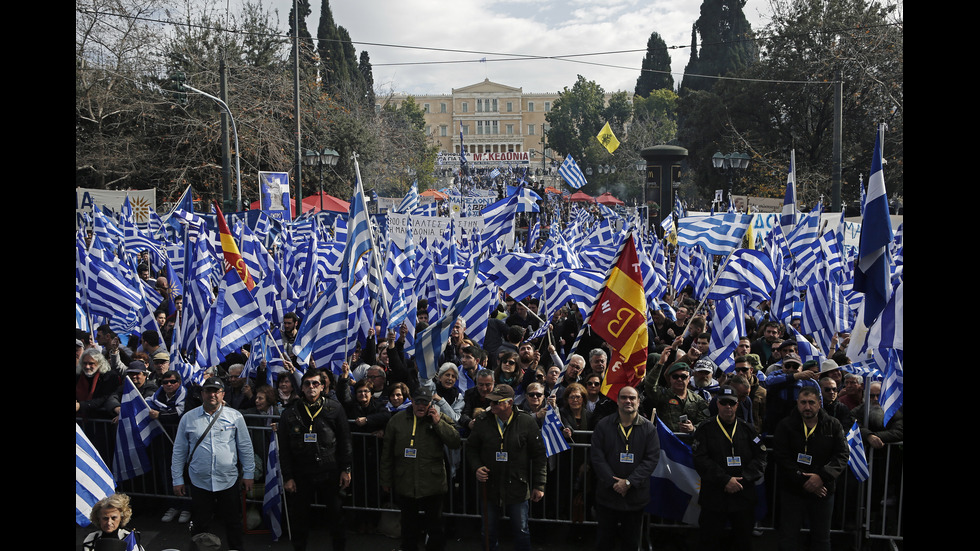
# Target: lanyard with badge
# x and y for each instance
(501, 427)
(732, 460)
(310, 436)
(410, 451)
(804, 458)
(626, 457)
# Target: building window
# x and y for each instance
(466, 129)
(530, 107)
(510, 107)
(443, 131)
(494, 105)
(442, 107)
(510, 129)
(479, 106)
(547, 107)
(428, 130)
(530, 130)
(425, 107)
(466, 107)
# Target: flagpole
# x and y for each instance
(718, 272)
(282, 486)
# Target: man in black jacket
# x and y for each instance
(731, 458)
(811, 452)
(315, 458)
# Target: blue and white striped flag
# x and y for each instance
(93, 481)
(719, 234)
(411, 200)
(748, 273)
(787, 220)
(135, 431)
(429, 345)
(494, 173)
(675, 483)
(886, 337)
(572, 174)
(727, 325)
(518, 274)
(872, 271)
(272, 500)
(498, 220)
(857, 460)
(554, 440)
(532, 237)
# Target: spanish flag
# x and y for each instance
(619, 317)
(608, 139)
(233, 258)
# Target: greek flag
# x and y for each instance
(872, 271)
(272, 500)
(554, 440)
(748, 273)
(787, 220)
(719, 234)
(429, 345)
(498, 220)
(727, 324)
(572, 174)
(886, 337)
(494, 173)
(675, 484)
(516, 273)
(857, 460)
(93, 481)
(134, 433)
(411, 200)
(532, 237)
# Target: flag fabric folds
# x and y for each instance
(551, 433)
(607, 138)
(857, 460)
(233, 257)
(872, 270)
(675, 484)
(272, 500)
(619, 317)
(748, 273)
(718, 234)
(572, 174)
(93, 481)
(135, 431)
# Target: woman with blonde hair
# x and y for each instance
(111, 515)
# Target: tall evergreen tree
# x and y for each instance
(307, 60)
(367, 76)
(655, 70)
(727, 43)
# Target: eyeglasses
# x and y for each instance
(593, 383)
(421, 402)
(876, 395)
(313, 384)
(743, 369)
(679, 376)
(730, 403)
(830, 390)
(535, 394)
(170, 382)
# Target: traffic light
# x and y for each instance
(178, 78)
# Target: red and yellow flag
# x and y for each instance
(233, 258)
(620, 319)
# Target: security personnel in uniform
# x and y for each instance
(730, 457)
(315, 458)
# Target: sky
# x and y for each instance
(402, 38)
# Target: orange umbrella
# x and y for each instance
(581, 196)
(550, 189)
(439, 196)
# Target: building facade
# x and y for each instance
(493, 118)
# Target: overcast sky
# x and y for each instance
(500, 29)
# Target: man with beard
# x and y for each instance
(811, 452)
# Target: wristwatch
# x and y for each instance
(627, 481)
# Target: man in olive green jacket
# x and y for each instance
(413, 469)
(507, 454)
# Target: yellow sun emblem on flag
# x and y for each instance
(141, 210)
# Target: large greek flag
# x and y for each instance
(572, 174)
(717, 234)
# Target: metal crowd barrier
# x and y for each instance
(871, 510)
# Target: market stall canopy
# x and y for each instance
(608, 199)
(439, 196)
(581, 196)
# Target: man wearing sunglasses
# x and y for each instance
(315, 456)
(680, 408)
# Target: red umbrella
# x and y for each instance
(581, 196)
(330, 203)
(608, 199)
(439, 196)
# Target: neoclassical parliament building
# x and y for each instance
(494, 118)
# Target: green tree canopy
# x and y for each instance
(655, 69)
(727, 43)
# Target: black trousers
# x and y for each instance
(300, 504)
(226, 504)
(712, 528)
(412, 521)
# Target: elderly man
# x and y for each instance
(704, 383)
(625, 451)
(238, 393)
(413, 469)
(95, 385)
(506, 453)
(213, 442)
(597, 361)
(782, 389)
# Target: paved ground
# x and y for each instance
(464, 536)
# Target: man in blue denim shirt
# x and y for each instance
(213, 465)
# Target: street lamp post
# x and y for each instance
(325, 157)
(729, 163)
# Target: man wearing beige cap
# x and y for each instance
(507, 455)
